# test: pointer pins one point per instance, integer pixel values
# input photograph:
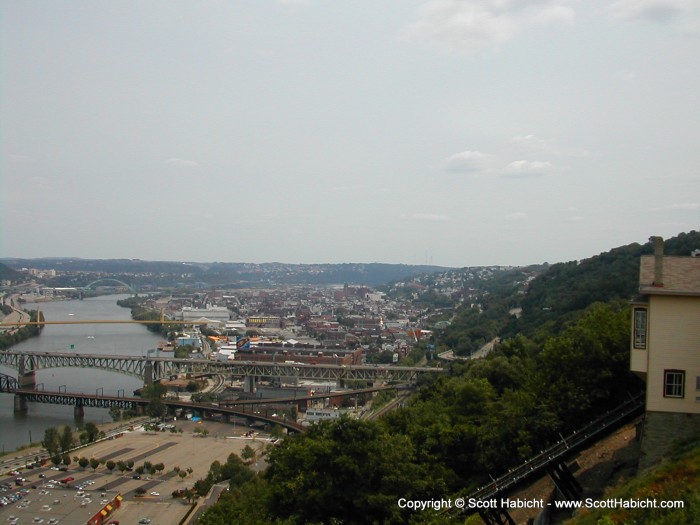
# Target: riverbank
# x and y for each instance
(19, 458)
(14, 333)
(20, 428)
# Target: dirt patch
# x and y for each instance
(606, 463)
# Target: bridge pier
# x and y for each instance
(26, 376)
(26, 379)
(148, 374)
(496, 516)
(249, 384)
(20, 403)
(565, 481)
(78, 412)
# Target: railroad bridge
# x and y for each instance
(150, 369)
(80, 400)
(250, 408)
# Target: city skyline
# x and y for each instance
(446, 132)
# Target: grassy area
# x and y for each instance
(678, 479)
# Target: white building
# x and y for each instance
(215, 313)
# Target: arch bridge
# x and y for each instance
(108, 279)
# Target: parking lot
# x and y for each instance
(44, 499)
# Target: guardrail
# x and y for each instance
(563, 448)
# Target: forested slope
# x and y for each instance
(556, 296)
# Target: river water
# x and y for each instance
(114, 339)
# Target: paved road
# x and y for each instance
(16, 316)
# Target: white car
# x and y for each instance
(155, 493)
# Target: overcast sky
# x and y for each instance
(452, 132)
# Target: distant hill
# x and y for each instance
(233, 274)
(558, 295)
(8, 274)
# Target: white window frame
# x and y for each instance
(640, 319)
(674, 383)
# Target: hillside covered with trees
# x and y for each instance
(555, 297)
(136, 272)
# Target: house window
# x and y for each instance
(674, 383)
(640, 328)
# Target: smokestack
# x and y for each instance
(658, 243)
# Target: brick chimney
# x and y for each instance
(658, 243)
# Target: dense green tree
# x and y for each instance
(115, 413)
(236, 471)
(587, 366)
(248, 504)
(66, 439)
(92, 431)
(248, 453)
(155, 393)
(348, 470)
(51, 441)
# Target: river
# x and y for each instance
(119, 339)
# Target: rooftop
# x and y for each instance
(680, 276)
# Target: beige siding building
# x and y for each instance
(665, 348)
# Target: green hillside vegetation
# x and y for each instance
(556, 297)
(8, 274)
(202, 275)
(678, 479)
(12, 337)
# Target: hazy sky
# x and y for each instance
(452, 132)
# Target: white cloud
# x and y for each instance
(182, 163)
(527, 168)
(430, 217)
(516, 216)
(472, 26)
(468, 162)
(656, 10)
(575, 218)
(532, 143)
